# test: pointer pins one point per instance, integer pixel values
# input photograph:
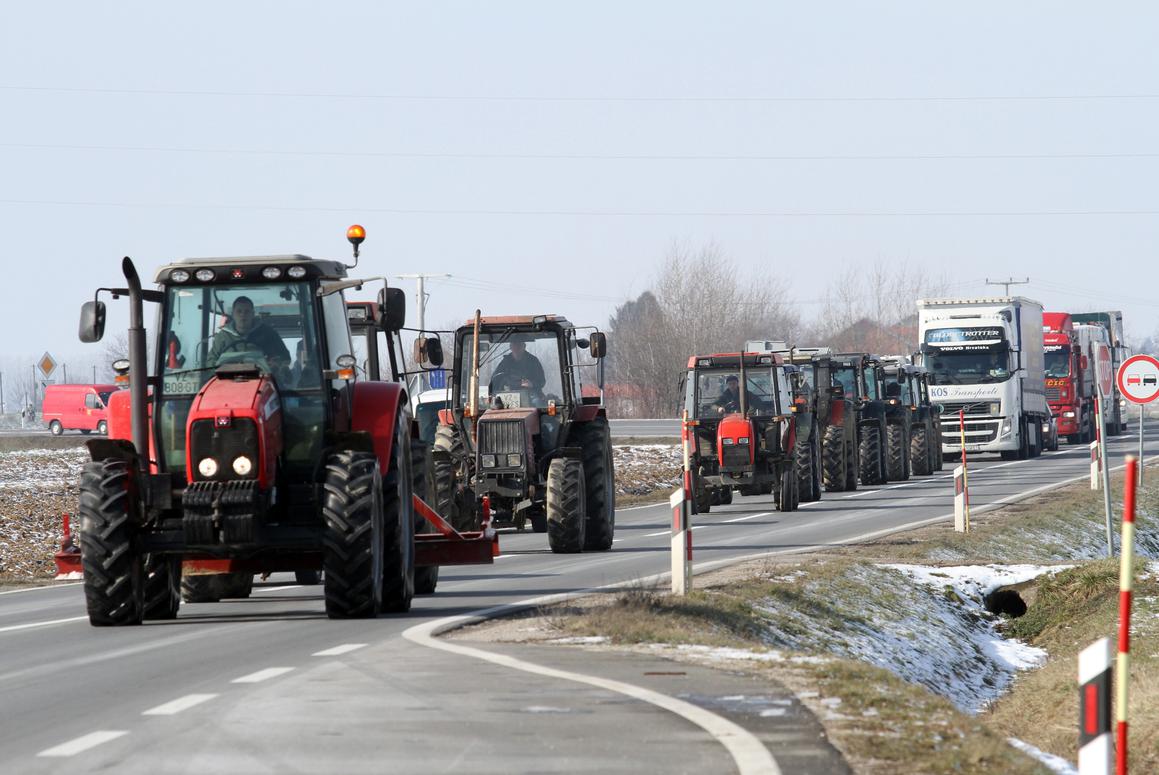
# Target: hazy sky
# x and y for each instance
(559, 151)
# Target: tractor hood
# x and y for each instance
(236, 414)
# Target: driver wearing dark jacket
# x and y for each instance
(518, 369)
(245, 333)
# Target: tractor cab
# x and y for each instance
(862, 380)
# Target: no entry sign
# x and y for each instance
(1139, 379)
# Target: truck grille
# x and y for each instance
(977, 431)
(972, 408)
(501, 437)
(1052, 394)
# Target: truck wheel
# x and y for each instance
(103, 428)
(566, 512)
(833, 456)
(450, 498)
(398, 521)
(427, 576)
(1024, 440)
(870, 454)
(56, 427)
(238, 585)
(897, 446)
(113, 570)
(162, 586)
(919, 451)
(788, 496)
(352, 545)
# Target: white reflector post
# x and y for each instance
(1095, 749)
(681, 544)
(1094, 465)
(960, 499)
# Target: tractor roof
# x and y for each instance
(520, 321)
(228, 268)
(865, 358)
(727, 360)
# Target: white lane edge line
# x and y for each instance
(750, 516)
(83, 743)
(262, 675)
(178, 705)
(337, 651)
(747, 751)
(31, 625)
(43, 586)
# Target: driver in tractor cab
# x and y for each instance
(245, 332)
(518, 369)
(729, 400)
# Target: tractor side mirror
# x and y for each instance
(429, 349)
(92, 321)
(391, 309)
(598, 344)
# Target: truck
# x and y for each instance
(1111, 322)
(1070, 353)
(986, 364)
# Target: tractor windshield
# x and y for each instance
(517, 369)
(718, 392)
(846, 377)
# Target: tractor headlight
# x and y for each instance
(297, 272)
(242, 465)
(207, 467)
(727, 441)
(514, 460)
(204, 275)
(179, 276)
(488, 461)
(271, 273)
(743, 440)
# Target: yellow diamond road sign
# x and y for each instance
(46, 364)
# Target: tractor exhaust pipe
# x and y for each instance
(138, 365)
(743, 386)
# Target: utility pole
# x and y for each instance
(1007, 283)
(65, 367)
(2, 393)
(94, 374)
(420, 293)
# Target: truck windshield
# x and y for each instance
(1057, 360)
(718, 392)
(517, 369)
(969, 367)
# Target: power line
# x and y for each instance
(789, 214)
(579, 156)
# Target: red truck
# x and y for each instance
(1070, 374)
(82, 408)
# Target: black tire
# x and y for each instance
(714, 496)
(352, 545)
(725, 497)
(239, 585)
(1024, 441)
(788, 497)
(427, 576)
(566, 512)
(56, 427)
(803, 466)
(1073, 438)
(870, 453)
(398, 523)
(113, 570)
(202, 588)
(852, 461)
(701, 496)
(308, 578)
(919, 451)
(451, 497)
(162, 587)
(538, 521)
(103, 428)
(897, 468)
(833, 456)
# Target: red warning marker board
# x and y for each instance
(1139, 379)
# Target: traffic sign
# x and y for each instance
(46, 364)
(1139, 379)
(1106, 371)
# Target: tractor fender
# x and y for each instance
(376, 404)
(589, 412)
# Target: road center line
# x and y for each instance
(178, 705)
(262, 675)
(31, 625)
(750, 516)
(345, 648)
(83, 743)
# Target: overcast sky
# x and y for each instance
(557, 152)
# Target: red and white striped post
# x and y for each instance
(1126, 588)
(1095, 465)
(681, 502)
(962, 482)
(1095, 748)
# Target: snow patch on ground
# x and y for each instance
(1054, 763)
(646, 468)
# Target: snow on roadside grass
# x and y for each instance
(645, 468)
(1056, 764)
(36, 487)
(900, 618)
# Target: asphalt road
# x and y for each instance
(268, 684)
(643, 429)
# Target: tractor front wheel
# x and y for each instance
(162, 586)
(113, 570)
(897, 461)
(426, 577)
(398, 524)
(566, 508)
(788, 496)
(352, 545)
(452, 501)
(870, 453)
(833, 459)
(919, 451)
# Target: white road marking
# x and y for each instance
(658, 533)
(178, 705)
(281, 589)
(83, 743)
(45, 586)
(262, 675)
(345, 648)
(858, 494)
(31, 625)
(751, 516)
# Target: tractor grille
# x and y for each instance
(1052, 394)
(501, 437)
(734, 456)
(224, 445)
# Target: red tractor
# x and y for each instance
(255, 448)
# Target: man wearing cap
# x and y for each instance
(518, 369)
(245, 332)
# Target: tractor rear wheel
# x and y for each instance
(426, 577)
(202, 588)
(566, 511)
(897, 462)
(919, 451)
(352, 545)
(833, 459)
(162, 586)
(870, 453)
(448, 458)
(725, 496)
(113, 570)
(398, 523)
